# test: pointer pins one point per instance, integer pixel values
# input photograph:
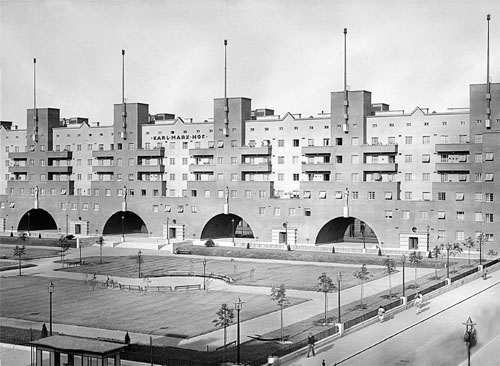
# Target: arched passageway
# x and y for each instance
(226, 226)
(346, 229)
(125, 222)
(36, 219)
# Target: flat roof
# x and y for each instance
(77, 345)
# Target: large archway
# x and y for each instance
(36, 219)
(346, 229)
(226, 226)
(125, 222)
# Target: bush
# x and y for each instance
(209, 243)
(45, 333)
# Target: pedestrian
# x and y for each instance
(381, 314)
(485, 273)
(310, 341)
(323, 363)
(418, 302)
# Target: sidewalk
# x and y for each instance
(339, 349)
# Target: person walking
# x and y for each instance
(418, 302)
(310, 341)
(485, 273)
(381, 314)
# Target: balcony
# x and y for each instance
(18, 169)
(385, 167)
(158, 169)
(105, 154)
(256, 168)
(151, 153)
(256, 150)
(380, 149)
(452, 148)
(202, 152)
(60, 155)
(60, 169)
(453, 167)
(317, 167)
(201, 168)
(18, 155)
(317, 150)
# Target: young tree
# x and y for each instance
(480, 240)
(19, 251)
(452, 249)
(390, 268)
(278, 294)
(63, 245)
(469, 243)
(100, 241)
(362, 275)
(436, 253)
(325, 285)
(415, 258)
(225, 316)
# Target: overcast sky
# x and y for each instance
(286, 55)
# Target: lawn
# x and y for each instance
(185, 313)
(7, 252)
(300, 276)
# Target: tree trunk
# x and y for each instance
(390, 287)
(282, 323)
(326, 307)
(224, 349)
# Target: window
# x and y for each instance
(338, 195)
(408, 140)
(426, 158)
(194, 209)
(295, 143)
(338, 177)
(295, 176)
(310, 142)
(338, 141)
(281, 176)
(405, 215)
(248, 194)
(426, 177)
(462, 139)
(444, 139)
(488, 217)
(460, 215)
(488, 197)
(281, 143)
(220, 177)
(441, 196)
(326, 142)
(307, 212)
(478, 216)
(408, 195)
(388, 195)
(131, 161)
(375, 140)
(488, 156)
(391, 140)
(172, 161)
(426, 196)
(355, 195)
(307, 194)
(262, 210)
(371, 195)
(478, 196)
(478, 139)
(478, 157)
(459, 196)
(408, 177)
(96, 207)
(355, 177)
(478, 177)
(281, 160)
(441, 234)
(220, 144)
(277, 211)
(489, 177)
(338, 159)
(460, 236)
(262, 194)
(423, 215)
(322, 195)
(441, 215)
(155, 208)
(408, 158)
(388, 214)
(426, 140)
(295, 159)
(180, 208)
(355, 141)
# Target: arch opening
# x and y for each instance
(346, 230)
(226, 226)
(125, 222)
(36, 220)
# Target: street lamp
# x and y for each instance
(339, 279)
(51, 291)
(238, 306)
(448, 260)
(232, 229)
(67, 220)
(469, 336)
(151, 343)
(429, 255)
(204, 267)
(123, 228)
(139, 259)
(29, 214)
(403, 261)
(168, 232)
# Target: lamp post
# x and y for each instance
(469, 336)
(429, 255)
(448, 260)
(168, 232)
(67, 220)
(339, 279)
(51, 291)
(123, 228)
(403, 261)
(139, 259)
(204, 268)
(238, 306)
(29, 214)
(232, 229)
(151, 343)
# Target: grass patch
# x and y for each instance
(7, 252)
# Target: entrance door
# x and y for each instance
(172, 232)
(413, 243)
(282, 238)
(78, 229)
